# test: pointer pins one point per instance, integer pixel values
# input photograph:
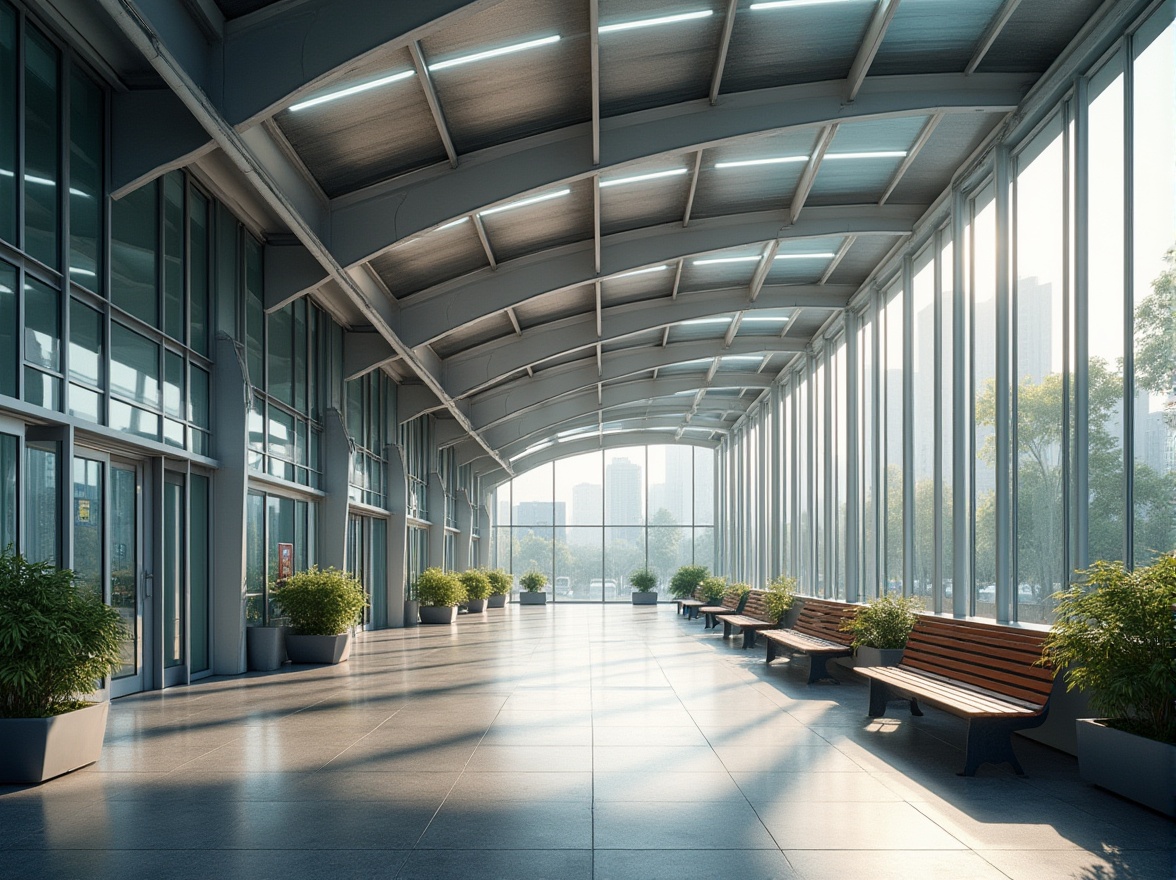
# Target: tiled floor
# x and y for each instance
(573, 743)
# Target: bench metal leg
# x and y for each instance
(726, 629)
(990, 741)
(882, 693)
(819, 669)
(771, 651)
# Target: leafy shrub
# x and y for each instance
(781, 593)
(713, 588)
(1115, 637)
(56, 641)
(499, 582)
(320, 602)
(439, 589)
(686, 578)
(476, 583)
(643, 580)
(533, 581)
(884, 623)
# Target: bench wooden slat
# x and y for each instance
(943, 692)
(803, 643)
(817, 633)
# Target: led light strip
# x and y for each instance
(653, 22)
(523, 202)
(351, 90)
(637, 178)
(494, 53)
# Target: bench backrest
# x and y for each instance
(733, 599)
(822, 619)
(757, 608)
(697, 595)
(996, 658)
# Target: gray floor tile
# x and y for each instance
(832, 864)
(746, 864)
(490, 864)
(686, 824)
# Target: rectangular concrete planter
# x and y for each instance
(647, 598)
(476, 606)
(35, 749)
(526, 598)
(865, 656)
(265, 647)
(498, 600)
(1141, 769)
(435, 614)
(318, 649)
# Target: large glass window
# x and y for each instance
(9, 468)
(892, 318)
(922, 364)
(1153, 286)
(42, 345)
(556, 519)
(134, 245)
(8, 122)
(8, 330)
(86, 119)
(42, 172)
(982, 262)
(42, 520)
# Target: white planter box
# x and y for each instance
(1138, 768)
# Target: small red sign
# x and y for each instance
(285, 561)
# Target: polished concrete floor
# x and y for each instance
(574, 742)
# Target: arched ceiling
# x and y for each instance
(576, 223)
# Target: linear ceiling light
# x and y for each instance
(825, 256)
(523, 202)
(644, 271)
(879, 154)
(741, 358)
(763, 319)
(653, 22)
(452, 223)
(784, 4)
(494, 53)
(711, 261)
(693, 322)
(637, 178)
(774, 160)
(351, 90)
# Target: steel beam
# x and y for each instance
(871, 43)
(361, 224)
(724, 45)
(712, 419)
(431, 314)
(492, 362)
(426, 80)
(991, 33)
(364, 352)
(809, 176)
(616, 440)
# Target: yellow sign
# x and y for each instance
(83, 510)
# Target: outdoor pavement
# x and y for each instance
(568, 742)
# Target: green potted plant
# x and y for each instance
(439, 593)
(779, 595)
(713, 588)
(881, 628)
(1114, 636)
(499, 588)
(533, 583)
(686, 579)
(321, 605)
(56, 643)
(644, 584)
(477, 587)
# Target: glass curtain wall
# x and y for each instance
(589, 521)
(1014, 373)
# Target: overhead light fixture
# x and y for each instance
(654, 22)
(879, 154)
(694, 322)
(495, 53)
(509, 206)
(742, 358)
(784, 4)
(713, 261)
(644, 271)
(351, 90)
(774, 160)
(637, 178)
(763, 319)
(825, 256)
(452, 223)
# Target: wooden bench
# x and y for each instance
(817, 633)
(980, 671)
(732, 603)
(690, 606)
(752, 618)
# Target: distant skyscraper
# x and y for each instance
(587, 504)
(542, 518)
(623, 487)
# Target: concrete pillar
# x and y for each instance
(230, 486)
(397, 567)
(465, 521)
(436, 505)
(337, 452)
